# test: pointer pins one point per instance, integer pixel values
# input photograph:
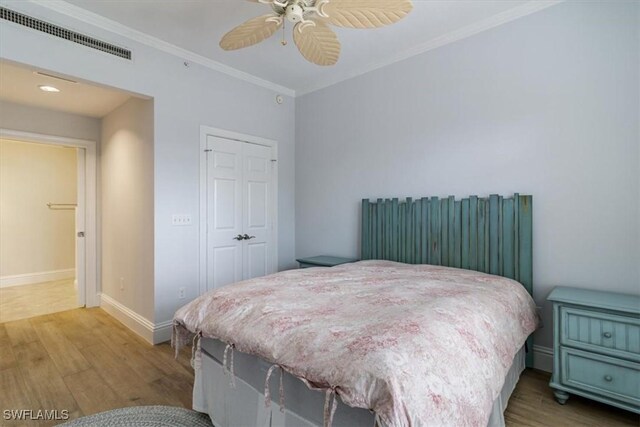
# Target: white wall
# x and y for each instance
(546, 105)
(126, 158)
(35, 240)
(184, 99)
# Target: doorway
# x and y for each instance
(48, 225)
(238, 208)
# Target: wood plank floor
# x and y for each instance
(532, 405)
(86, 362)
(26, 301)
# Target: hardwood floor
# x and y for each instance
(532, 405)
(86, 362)
(25, 301)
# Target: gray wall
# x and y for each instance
(126, 205)
(26, 118)
(184, 99)
(546, 105)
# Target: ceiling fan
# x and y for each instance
(311, 33)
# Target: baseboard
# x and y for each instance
(132, 320)
(31, 278)
(150, 332)
(543, 358)
(162, 332)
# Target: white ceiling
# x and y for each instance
(198, 25)
(20, 85)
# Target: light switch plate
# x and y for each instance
(181, 219)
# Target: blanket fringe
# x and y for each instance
(179, 337)
(267, 392)
(230, 369)
(281, 390)
(329, 411)
(196, 357)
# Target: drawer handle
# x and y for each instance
(608, 378)
(607, 335)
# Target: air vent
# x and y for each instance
(54, 30)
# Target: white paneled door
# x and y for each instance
(240, 211)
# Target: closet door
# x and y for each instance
(224, 212)
(240, 211)
(257, 210)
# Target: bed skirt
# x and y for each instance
(239, 399)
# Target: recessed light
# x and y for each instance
(49, 88)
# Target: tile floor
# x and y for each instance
(25, 301)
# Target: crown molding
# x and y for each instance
(101, 22)
(462, 33)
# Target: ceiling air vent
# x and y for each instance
(63, 33)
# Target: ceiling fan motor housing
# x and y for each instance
(295, 12)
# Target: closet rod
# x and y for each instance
(62, 206)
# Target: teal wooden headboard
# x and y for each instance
(492, 235)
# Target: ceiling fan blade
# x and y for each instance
(317, 43)
(251, 32)
(365, 13)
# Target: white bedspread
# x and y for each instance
(417, 344)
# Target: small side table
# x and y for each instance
(323, 261)
(596, 350)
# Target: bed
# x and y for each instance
(390, 342)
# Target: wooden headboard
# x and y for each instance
(492, 235)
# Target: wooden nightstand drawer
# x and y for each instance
(605, 376)
(601, 332)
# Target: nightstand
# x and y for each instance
(323, 261)
(596, 346)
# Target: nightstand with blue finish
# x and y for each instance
(323, 261)
(596, 350)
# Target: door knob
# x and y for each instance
(238, 237)
(607, 334)
(247, 237)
